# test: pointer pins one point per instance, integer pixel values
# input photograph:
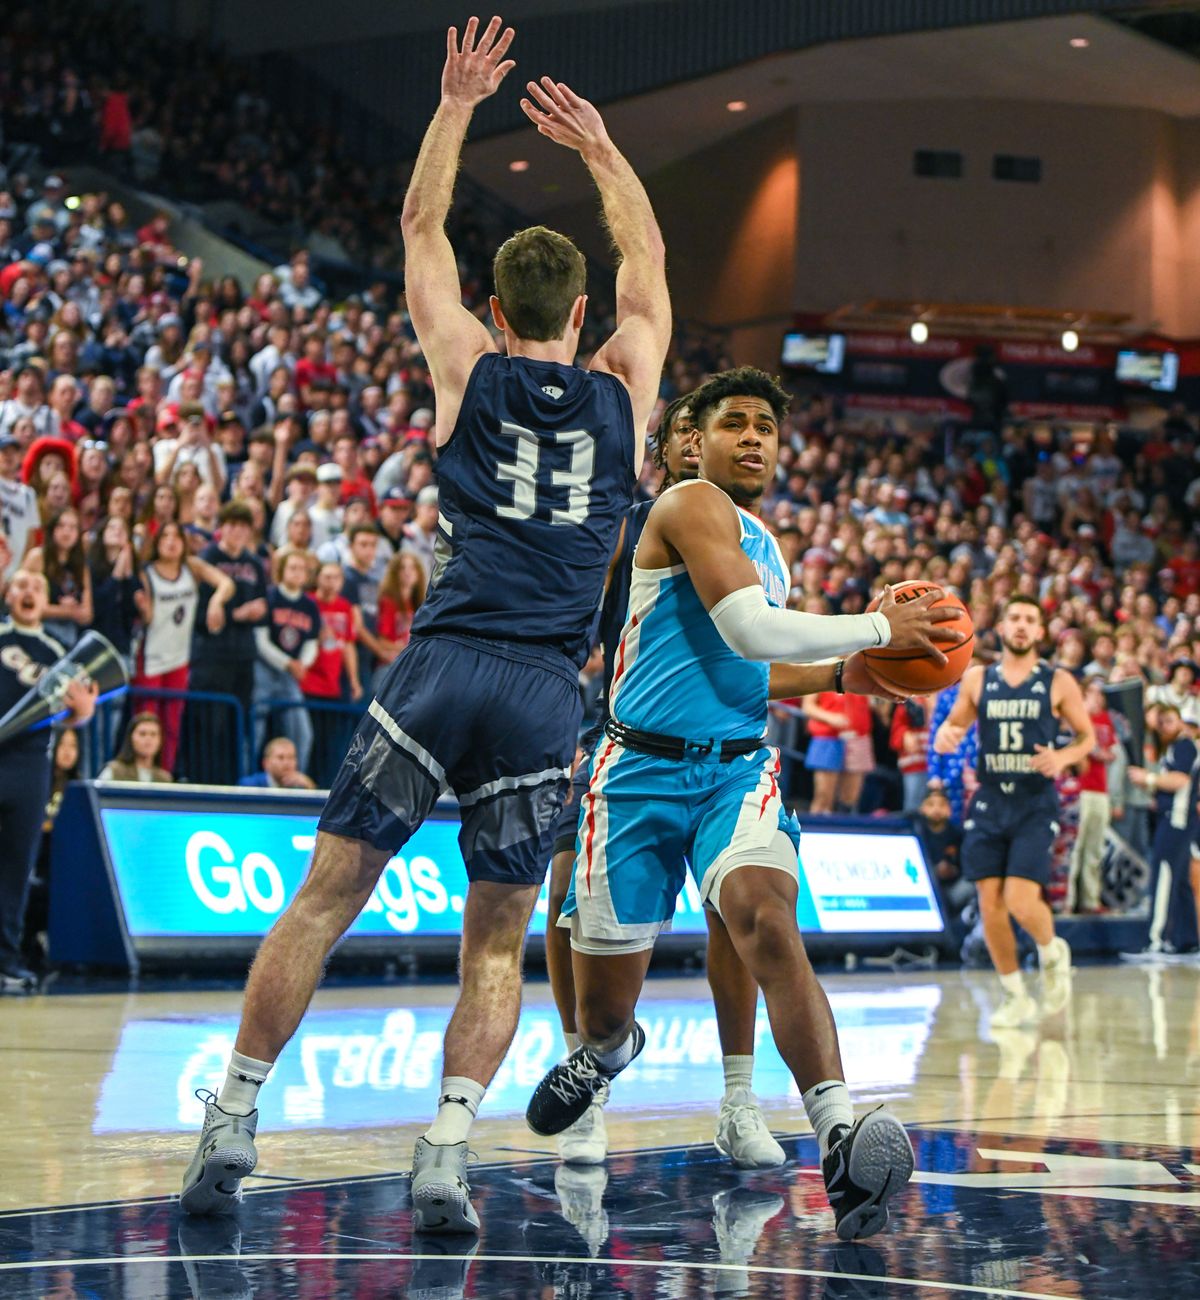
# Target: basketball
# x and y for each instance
(913, 670)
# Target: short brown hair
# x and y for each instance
(1021, 599)
(236, 512)
(538, 274)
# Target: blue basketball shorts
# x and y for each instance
(646, 821)
(1010, 830)
(482, 719)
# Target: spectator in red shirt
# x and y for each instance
(355, 483)
(155, 234)
(909, 740)
(1186, 567)
(838, 725)
(313, 366)
(1095, 807)
(336, 645)
(400, 596)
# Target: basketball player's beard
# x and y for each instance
(1019, 651)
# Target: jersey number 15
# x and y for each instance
(522, 473)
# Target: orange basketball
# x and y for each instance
(913, 670)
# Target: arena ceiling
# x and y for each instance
(1033, 61)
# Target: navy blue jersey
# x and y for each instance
(235, 641)
(615, 609)
(25, 655)
(1012, 721)
(533, 485)
(1179, 806)
(290, 623)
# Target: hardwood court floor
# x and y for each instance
(1063, 1160)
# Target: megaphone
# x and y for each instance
(93, 658)
(1128, 697)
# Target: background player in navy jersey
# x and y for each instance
(685, 781)
(1172, 782)
(1020, 704)
(537, 465)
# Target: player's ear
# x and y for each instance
(578, 312)
(497, 313)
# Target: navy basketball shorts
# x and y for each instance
(568, 819)
(1010, 831)
(477, 718)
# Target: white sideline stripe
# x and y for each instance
(407, 743)
(514, 783)
(964, 1288)
(445, 525)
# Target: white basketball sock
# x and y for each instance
(572, 1042)
(616, 1058)
(828, 1107)
(458, 1105)
(738, 1072)
(1012, 984)
(239, 1092)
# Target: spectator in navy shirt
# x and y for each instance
(223, 662)
(279, 769)
(287, 649)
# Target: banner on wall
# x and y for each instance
(890, 371)
(191, 871)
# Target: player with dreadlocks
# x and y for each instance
(742, 1132)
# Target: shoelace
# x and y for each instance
(574, 1079)
(745, 1119)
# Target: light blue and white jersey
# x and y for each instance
(674, 674)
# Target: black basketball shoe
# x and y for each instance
(568, 1089)
(864, 1167)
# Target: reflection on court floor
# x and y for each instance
(367, 1068)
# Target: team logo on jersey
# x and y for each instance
(1038, 688)
(553, 390)
(993, 686)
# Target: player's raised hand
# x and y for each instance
(475, 71)
(568, 119)
(916, 624)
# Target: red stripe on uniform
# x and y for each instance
(633, 622)
(591, 816)
(771, 792)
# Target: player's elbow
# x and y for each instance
(416, 219)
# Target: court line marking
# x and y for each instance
(696, 1266)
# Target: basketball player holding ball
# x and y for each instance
(1020, 704)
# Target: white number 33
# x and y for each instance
(522, 474)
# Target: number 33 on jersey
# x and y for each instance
(538, 475)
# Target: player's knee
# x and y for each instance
(767, 931)
(600, 1019)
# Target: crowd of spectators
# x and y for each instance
(236, 483)
(85, 84)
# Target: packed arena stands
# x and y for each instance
(237, 483)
